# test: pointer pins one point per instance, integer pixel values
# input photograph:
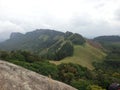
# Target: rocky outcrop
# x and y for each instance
(16, 35)
(13, 77)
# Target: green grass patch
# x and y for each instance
(83, 55)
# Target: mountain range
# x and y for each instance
(57, 46)
(47, 43)
(61, 47)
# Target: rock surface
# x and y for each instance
(13, 77)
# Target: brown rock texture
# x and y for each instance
(13, 77)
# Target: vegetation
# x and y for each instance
(106, 39)
(76, 39)
(112, 60)
(83, 55)
(66, 49)
(86, 68)
(48, 44)
(109, 42)
(72, 74)
(109, 69)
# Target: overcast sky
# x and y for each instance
(88, 17)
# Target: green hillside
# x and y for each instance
(84, 55)
(48, 44)
(54, 45)
(107, 39)
(110, 43)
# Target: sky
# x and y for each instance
(90, 18)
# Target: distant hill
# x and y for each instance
(107, 39)
(49, 44)
(109, 42)
(13, 77)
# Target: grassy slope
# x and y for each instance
(84, 55)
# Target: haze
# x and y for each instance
(88, 17)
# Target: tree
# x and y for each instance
(4, 55)
(80, 84)
(65, 50)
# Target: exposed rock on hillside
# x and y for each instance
(13, 77)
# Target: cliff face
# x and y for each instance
(16, 35)
(13, 77)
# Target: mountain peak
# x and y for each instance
(16, 35)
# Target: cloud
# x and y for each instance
(92, 28)
(87, 17)
(6, 27)
(117, 14)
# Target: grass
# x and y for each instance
(83, 55)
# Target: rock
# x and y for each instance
(13, 77)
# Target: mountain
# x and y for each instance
(107, 39)
(54, 45)
(47, 43)
(109, 42)
(26, 41)
(13, 77)
(80, 62)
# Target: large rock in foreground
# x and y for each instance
(13, 77)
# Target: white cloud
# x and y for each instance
(88, 17)
(6, 27)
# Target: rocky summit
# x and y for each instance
(13, 77)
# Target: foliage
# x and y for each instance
(108, 71)
(106, 39)
(83, 55)
(104, 73)
(48, 44)
(77, 39)
(70, 71)
(66, 50)
(72, 74)
(80, 84)
(94, 87)
(4, 55)
(60, 52)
